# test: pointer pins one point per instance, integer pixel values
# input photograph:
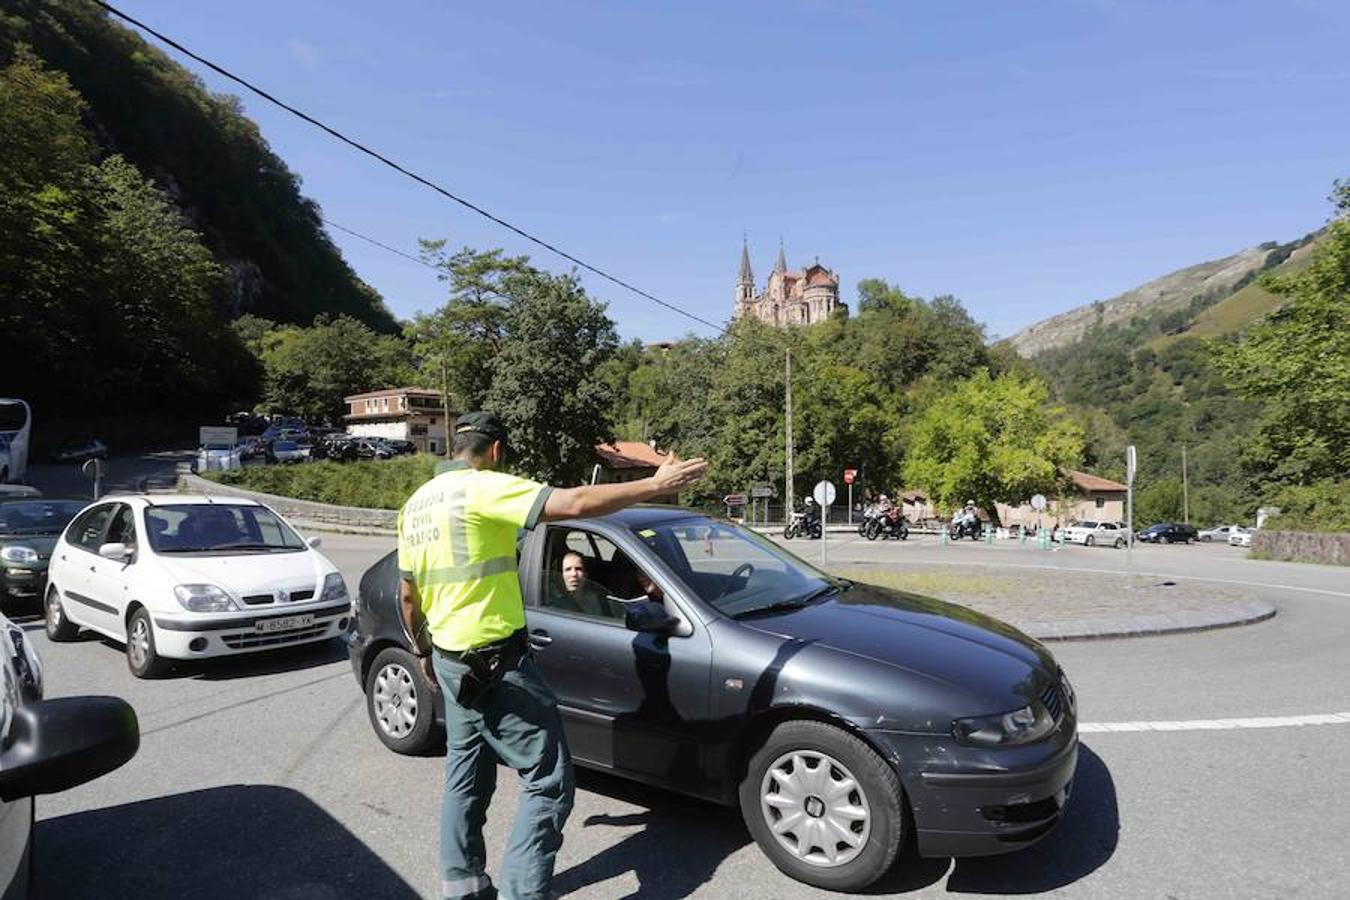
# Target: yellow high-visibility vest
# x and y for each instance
(457, 543)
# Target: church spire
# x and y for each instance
(781, 265)
(747, 277)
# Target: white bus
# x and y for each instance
(16, 421)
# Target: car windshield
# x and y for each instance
(733, 569)
(37, 516)
(218, 528)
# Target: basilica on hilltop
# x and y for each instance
(792, 297)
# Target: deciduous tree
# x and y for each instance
(991, 440)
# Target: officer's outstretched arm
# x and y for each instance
(592, 500)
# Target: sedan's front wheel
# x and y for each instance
(399, 701)
(823, 806)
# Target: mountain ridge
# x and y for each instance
(1210, 280)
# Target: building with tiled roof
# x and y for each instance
(791, 297)
(631, 461)
(1090, 498)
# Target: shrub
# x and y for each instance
(373, 484)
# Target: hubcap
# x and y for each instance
(54, 609)
(139, 643)
(815, 808)
(395, 700)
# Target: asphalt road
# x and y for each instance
(262, 778)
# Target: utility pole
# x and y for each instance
(1185, 489)
(787, 393)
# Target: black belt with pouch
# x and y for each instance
(486, 666)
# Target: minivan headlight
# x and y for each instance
(1021, 726)
(20, 555)
(334, 589)
(203, 598)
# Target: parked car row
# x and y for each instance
(289, 446)
(1115, 534)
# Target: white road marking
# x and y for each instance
(1095, 571)
(1217, 724)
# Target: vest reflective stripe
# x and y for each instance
(457, 506)
(498, 565)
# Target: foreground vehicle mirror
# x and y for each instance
(315, 542)
(58, 744)
(114, 551)
(649, 616)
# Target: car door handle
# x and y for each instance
(540, 638)
(92, 569)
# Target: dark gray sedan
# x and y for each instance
(699, 657)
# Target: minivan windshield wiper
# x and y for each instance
(794, 603)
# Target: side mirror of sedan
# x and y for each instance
(117, 551)
(58, 744)
(315, 542)
(649, 616)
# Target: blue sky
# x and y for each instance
(1027, 157)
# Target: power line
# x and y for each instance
(408, 256)
(356, 145)
(371, 240)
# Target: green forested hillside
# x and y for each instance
(1201, 378)
(1246, 305)
(139, 215)
(202, 150)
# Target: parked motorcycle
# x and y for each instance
(887, 526)
(801, 525)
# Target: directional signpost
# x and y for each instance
(763, 492)
(824, 494)
(734, 500)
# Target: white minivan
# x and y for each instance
(184, 577)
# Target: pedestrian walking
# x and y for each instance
(461, 600)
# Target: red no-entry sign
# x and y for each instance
(849, 475)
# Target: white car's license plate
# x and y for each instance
(286, 623)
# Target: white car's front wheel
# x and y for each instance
(143, 659)
(59, 628)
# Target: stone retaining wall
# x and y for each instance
(1303, 546)
(295, 509)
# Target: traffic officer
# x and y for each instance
(461, 600)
